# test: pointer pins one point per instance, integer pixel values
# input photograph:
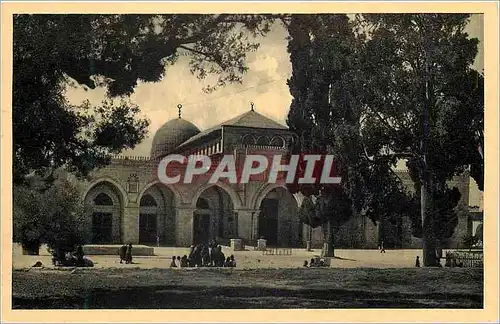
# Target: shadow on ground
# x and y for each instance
(228, 288)
(193, 297)
(346, 259)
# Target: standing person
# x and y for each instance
(178, 261)
(128, 256)
(123, 253)
(417, 262)
(382, 249)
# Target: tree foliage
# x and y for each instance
(116, 52)
(312, 41)
(51, 214)
(360, 90)
(428, 102)
(307, 213)
(326, 112)
(423, 61)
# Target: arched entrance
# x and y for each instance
(103, 203)
(214, 217)
(278, 221)
(157, 216)
(148, 229)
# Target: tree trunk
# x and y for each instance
(428, 236)
(328, 246)
(426, 192)
(309, 238)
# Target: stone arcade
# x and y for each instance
(125, 203)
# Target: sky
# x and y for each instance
(264, 85)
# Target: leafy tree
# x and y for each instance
(307, 215)
(387, 202)
(27, 220)
(327, 114)
(117, 52)
(427, 101)
(445, 203)
(50, 214)
(307, 212)
(362, 91)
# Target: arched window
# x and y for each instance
(103, 199)
(248, 140)
(202, 203)
(263, 140)
(148, 200)
(277, 141)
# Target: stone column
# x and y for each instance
(462, 228)
(130, 225)
(87, 224)
(184, 226)
(169, 229)
(245, 225)
(255, 225)
(462, 182)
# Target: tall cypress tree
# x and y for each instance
(325, 112)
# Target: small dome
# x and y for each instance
(172, 134)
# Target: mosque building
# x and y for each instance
(125, 202)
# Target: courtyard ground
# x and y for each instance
(357, 279)
(248, 259)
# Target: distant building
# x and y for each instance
(125, 203)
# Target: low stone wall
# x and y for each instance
(467, 259)
(137, 250)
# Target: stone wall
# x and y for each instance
(346, 237)
(177, 203)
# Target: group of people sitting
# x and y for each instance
(185, 262)
(204, 255)
(314, 263)
(77, 258)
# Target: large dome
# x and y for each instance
(171, 135)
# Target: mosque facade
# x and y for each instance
(126, 203)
